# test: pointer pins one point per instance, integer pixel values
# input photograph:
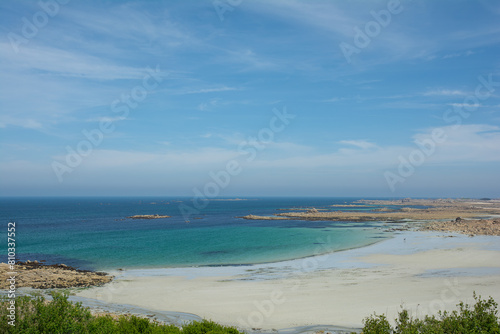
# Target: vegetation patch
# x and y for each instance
(36, 315)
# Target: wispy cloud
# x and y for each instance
(57, 62)
(459, 54)
(445, 92)
(20, 122)
(225, 78)
(209, 90)
(363, 144)
(475, 141)
(130, 22)
(250, 60)
(327, 16)
(465, 105)
(106, 119)
(207, 106)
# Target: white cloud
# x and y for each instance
(106, 119)
(250, 60)
(324, 15)
(210, 90)
(27, 123)
(171, 160)
(209, 105)
(466, 144)
(363, 144)
(465, 105)
(458, 54)
(470, 143)
(64, 63)
(445, 92)
(473, 143)
(130, 22)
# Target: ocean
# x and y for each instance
(95, 233)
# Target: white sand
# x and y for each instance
(422, 271)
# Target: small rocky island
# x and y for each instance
(148, 216)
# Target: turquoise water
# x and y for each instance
(94, 233)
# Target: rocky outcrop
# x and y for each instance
(148, 216)
(39, 276)
(470, 227)
(254, 217)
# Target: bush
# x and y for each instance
(481, 318)
(377, 324)
(208, 327)
(35, 315)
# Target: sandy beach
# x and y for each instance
(422, 271)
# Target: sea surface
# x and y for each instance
(95, 233)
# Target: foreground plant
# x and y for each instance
(480, 318)
(35, 315)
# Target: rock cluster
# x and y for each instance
(254, 217)
(470, 227)
(148, 216)
(39, 276)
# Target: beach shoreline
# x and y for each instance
(423, 261)
(423, 271)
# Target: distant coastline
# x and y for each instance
(396, 210)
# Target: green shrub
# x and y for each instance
(34, 315)
(481, 318)
(208, 327)
(377, 324)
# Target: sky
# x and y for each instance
(250, 98)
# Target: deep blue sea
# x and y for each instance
(94, 233)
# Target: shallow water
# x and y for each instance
(94, 233)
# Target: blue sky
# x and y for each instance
(222, 72)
